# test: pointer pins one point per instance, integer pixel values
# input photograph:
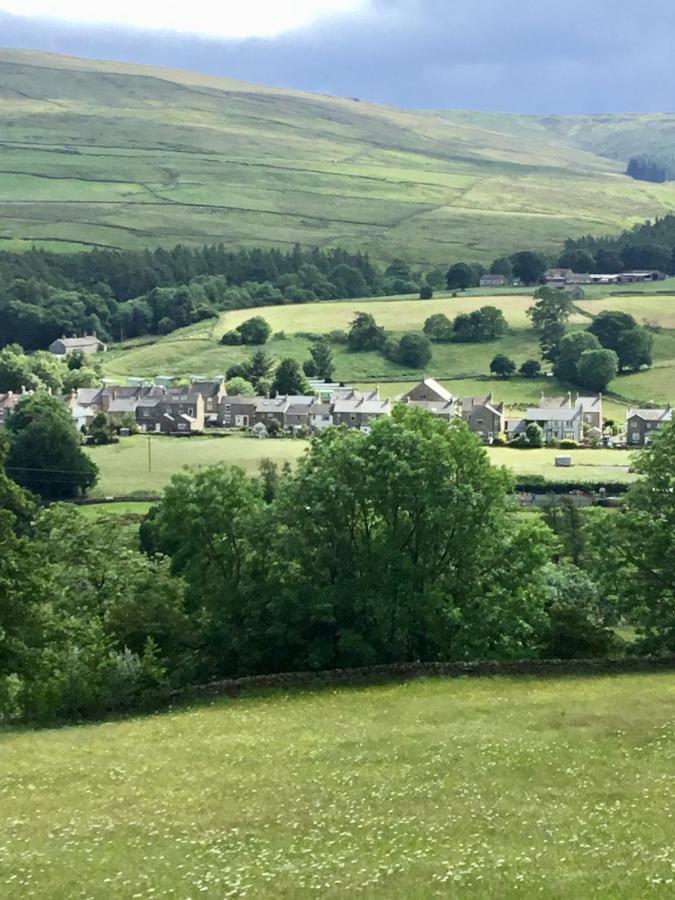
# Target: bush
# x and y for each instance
(231, 338)
(338, 337)
(426, 292)
(567, 444)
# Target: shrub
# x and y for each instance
(567, 444)
(231, 338)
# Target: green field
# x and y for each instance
(117, 155)
(464, 367)
(124, 466)
(488, 788)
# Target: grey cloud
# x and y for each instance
(511, 55)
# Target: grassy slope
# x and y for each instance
(122, 155)
(124, 466)
(555, 788)
(195, 350)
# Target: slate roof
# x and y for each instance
(651, 415)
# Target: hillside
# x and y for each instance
(118, 155)
(495, 787)
(463, 367)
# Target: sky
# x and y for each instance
(536, 56)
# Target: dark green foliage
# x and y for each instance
(426, 292)
(322, 358)
(460, 277)
(596, 368)
(122, 294)
(502, 266)
(45, 455)
(438, 327)
(289, 378)
(632, 550)
(570, 349)
(550, 336)
(534, 435)
(550, 305)
(231, 338)
(578, 261)
(647, 246)
(414, 350)
(620, 332)
(528, 267)
(531, 368)
(649, 167)
(502, 366)
(634, 349)
(365, 333)
(254, 331)
(102, 429)
(484, 324)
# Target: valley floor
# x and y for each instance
(489, 788)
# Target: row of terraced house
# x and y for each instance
(187, 410)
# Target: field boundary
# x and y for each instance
(383, 674)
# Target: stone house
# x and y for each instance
(642, 424)
(172, 414)
(212, 391)
(558, 423)
(485, 418)
(492, 280)
(360, 412)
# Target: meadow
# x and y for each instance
(464, 368)
(109, 154)
(124, 466)
(483, 788)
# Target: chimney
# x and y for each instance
(569, 399)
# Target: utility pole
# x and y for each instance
(149, 454)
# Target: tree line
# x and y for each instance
(393, 546)
(123, 294)
(652, 167)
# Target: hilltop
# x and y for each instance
(116, 155)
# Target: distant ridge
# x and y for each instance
(99, 153)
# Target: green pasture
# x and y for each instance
(463, 367)
(125, 469)
(117, 155)
(558, 788)
(146, 464)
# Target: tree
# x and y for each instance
(239, 387)
(634, 348)
(531, 368)
(289, 378)
(259, 369)
(550, 305)
(102, 429)
(502, 366)
(365, 333)
(349, 281)
(309, 368)
(569, 354)
(492, 323)
(502, 266)
(438, 327)
(414, 350)
(269, 479)
(549, 340)
(528, 267)
(608, 261)
(255, 330)
(426, 292)
(398, 268)
(460, 277)
(45, 455)
(534, 434)
(578, 260)
(596, 368)
(575, 626)
(609, 325)
(632, 550)
(231, 338)
(322, 356)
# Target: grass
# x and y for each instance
(124, 466)
(463, 367)
(503, 787)
(587, 465)
(118, 155)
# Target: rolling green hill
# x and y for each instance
(463, 367)
(118, 155)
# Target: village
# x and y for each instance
(184, 410)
